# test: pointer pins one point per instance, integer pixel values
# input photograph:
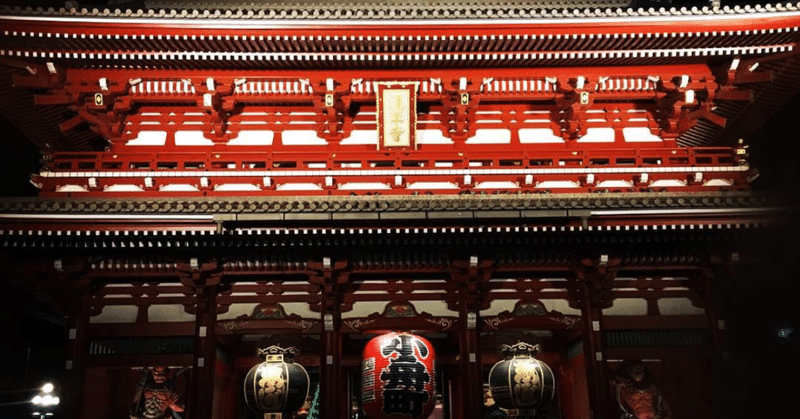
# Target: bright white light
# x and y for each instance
(47, 388)
(46, 400)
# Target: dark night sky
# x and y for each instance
(18, 161)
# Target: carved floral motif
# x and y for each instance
(530, 309)
(304, 325)
(441, 321)
(562, 318)
(400, 310)
(356, 324)
(268, 312)
(494, 322)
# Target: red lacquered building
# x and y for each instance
(218, 178)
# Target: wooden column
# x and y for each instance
(334, 402)
(594, 277)
(203, 279)
(471, 277)
(716, 325)
(712, 285)
(331, 377)
(594, 351)
(70, 277)
(470, 364)
(77, 349)
(204, 358)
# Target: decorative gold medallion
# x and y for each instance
(98, 99)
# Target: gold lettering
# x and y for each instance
(396, 117)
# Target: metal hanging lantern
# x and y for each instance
(277, 386)
(398, 377)
(521, 381)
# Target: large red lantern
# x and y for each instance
(398, 377)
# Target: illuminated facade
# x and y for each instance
(217, 182)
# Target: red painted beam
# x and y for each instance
(753, 77)
(734, 94)
(51, 100)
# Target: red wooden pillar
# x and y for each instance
(225, 391)
(716, 329)
(76, 288)
(716, 324)
(77, 349)
(203, 279)
(469, 364)
(202, 399)
(334, 400)
(593, 293)
(471, 278)
(333, 390)
(456, 381)
(594, 351)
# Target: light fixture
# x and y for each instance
(45, 401)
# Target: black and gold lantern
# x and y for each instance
(521, 381)
(278, 386)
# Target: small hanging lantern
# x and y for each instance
(521, 381)
(277, 386)
(398, 377)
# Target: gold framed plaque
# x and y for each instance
(397, 114)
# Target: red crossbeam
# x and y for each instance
(488, 168)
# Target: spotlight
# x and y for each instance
(44, 402)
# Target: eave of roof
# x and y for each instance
(767, 29)
(560, 203)
(369, 12)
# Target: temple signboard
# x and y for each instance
(397, 114)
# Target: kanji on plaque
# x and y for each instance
(397, 114)
(400, 382)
